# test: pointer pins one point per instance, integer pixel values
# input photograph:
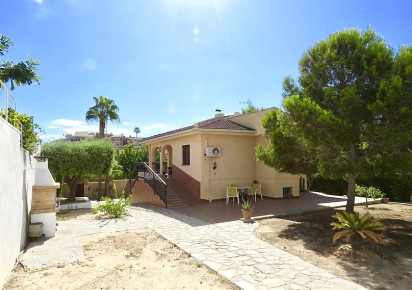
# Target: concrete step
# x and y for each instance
(174, 200)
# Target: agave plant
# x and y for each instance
(246, 204)
(355, 228)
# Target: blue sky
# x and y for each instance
(171, 63)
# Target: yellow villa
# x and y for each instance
(207, 157)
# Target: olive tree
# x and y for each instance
(74, 160)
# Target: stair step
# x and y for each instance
(173, 192)
(175, 202)
(176, 206)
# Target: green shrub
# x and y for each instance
(28, 127)
(370, 191)
(128, 157)
(355, 228)
(114, 207)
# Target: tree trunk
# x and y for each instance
(350, 204)
(356, 242)
(72, 183)
(102, 125)
(106, 186)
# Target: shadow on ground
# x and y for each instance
(375, 266)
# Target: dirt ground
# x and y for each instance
(141, 259)
(309, 236)
(138, 259)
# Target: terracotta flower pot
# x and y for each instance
(247, 214)
(385, 199)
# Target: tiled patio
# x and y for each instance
(217, 211)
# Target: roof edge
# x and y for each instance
(251, 132)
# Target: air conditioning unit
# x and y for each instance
(212, 151)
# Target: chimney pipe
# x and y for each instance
(219, 113)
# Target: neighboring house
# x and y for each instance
(118, 140)
(78, 136)
(210, 155)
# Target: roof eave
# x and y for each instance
(199, 130)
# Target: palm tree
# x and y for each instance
(136, 130)
(103, 110)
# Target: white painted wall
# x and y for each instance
(16, 180)
(43, 175)
(49, 223)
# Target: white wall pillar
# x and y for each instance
(162, 150)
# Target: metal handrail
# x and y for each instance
(158, 185)
(7, 96)
(153, 172)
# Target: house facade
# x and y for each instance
(208, 156)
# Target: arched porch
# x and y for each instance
(161, 159)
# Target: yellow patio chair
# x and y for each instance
(257, 189)
(232, 192)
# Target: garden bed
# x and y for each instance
(309, 236)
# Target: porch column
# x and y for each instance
(152, 157)
(161, 160)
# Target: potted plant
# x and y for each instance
(247, 210)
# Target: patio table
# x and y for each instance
(243, 191)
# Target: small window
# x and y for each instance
(186, 154)
(287, 191)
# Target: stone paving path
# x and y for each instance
(229, 248)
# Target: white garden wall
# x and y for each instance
(16, 180)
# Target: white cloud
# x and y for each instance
(155, 126)
(172, 109)
(66, 123)
(119, 130)
(71, 126)
(47, 138)
(83, 128)
(66, 126)
(38, 1)
(153, 129)
(90, 64)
